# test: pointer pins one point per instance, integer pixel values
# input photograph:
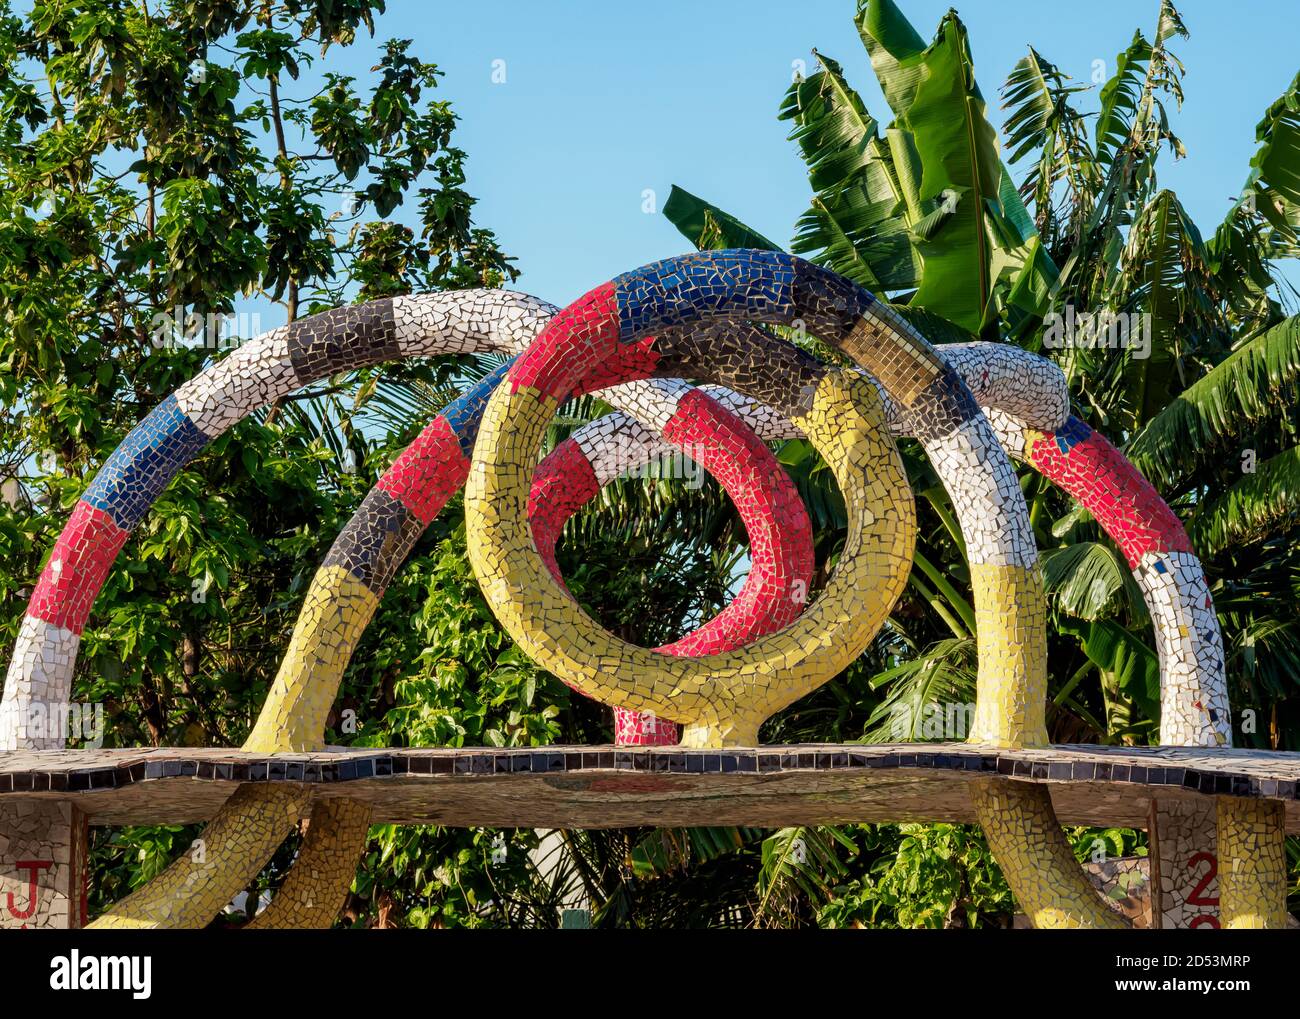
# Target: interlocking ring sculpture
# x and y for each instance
(635, 339)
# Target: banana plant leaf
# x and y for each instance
(1262, 504)
(708, 227)
(1113, 649)
(970, 228)
(1253, 388)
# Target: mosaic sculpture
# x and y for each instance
(633, 339)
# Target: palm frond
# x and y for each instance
(1164, 281)
(858, 221)
(1265, 650)
(1257, 384)
(803, 861)
(1042, 120)
(1130, 130)
(1254, 509)
(1120, 96)
(942, 113)
(1276, 165)
(923, 692)
(669, 850)
(831, 126)
(1123, 659)
(1089, 579)
(1264, 223)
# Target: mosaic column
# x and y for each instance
(42, 865)
(1252, 853)
(1049, 885)
(1184, 856)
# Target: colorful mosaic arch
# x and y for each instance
(970, 406)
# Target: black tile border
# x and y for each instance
(481, 762)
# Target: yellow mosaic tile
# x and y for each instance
(334, 614)
(230, 852)
(1027, 841)
(1011, 622)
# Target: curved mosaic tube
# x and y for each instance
(1193, 681)
(1049, 885)
(233, 849)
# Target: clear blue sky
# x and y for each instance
(604, 100)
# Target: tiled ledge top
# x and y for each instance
(1248, 773)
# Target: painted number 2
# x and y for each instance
(1198, 896)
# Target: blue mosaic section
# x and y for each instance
(465, 413)
(1071, 434)
(702, 287)
(144, 464)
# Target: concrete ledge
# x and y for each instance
(608, 787)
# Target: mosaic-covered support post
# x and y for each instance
(1184, 858)
(317, 884)
(231, 851)
(1049, 885)
(42, 864)
(1252, 863)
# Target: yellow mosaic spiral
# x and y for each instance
(721, 699)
